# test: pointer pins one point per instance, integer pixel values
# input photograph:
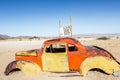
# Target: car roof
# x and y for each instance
(62, 39)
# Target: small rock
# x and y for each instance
(116, 74)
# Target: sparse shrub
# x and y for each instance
(35, 37)
(30, 38)
(20, 39)
(2, 39)
(117, 37)
(103, 38)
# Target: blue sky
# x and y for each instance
(41, 17)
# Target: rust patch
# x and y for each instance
(63, 39)
(10, 67)
(53, 40)
(97, 51)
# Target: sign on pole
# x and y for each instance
(65, 31)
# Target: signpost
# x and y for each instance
(66, 30)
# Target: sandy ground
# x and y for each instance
(8, 49)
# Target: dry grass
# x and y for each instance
(8, 49)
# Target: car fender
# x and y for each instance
(106, 64)
(27, 67)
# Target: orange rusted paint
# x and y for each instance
(35, 59)
(75, 58)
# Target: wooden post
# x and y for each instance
(71, 25)
(59, 28)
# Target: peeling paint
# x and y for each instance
(106, 64)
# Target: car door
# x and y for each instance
(55, 58)
(74, 57)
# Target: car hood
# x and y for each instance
(27, 53)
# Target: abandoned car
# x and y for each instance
(64, 55)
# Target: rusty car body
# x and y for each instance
(64, 55)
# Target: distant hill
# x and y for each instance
(23, 37)
(97, 35)
(4, 36)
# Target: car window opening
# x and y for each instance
(72, 47)
(56, 48)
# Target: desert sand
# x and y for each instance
(7, 55)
